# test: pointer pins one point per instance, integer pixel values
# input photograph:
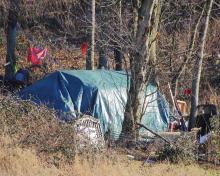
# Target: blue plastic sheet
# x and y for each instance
(99, 93)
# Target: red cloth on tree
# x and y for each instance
(84, 47)
(187, 91)
(36, 55)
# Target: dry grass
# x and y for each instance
(33, 142)
(135, 168)
(15, 161)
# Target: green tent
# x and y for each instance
(99, 93)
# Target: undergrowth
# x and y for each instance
(182, 150)
(34, 142)
(37, 127)
(214, 145)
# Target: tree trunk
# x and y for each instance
(198, 69)
(91, 55)
(191, 48)
(118, 58)
(174, 85)
(140, 67)
(10, 68)
(103, 63)
(153, 42)
(117, 51)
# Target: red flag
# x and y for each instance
(84, 47)
(36, 55)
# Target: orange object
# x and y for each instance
(157, 35)
(182, 107)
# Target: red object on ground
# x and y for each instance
(187, 92)
(173, 126)
(84, 47)
(36, 55)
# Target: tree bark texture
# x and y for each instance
(90, 57)
(153, 40)
(10, 68)
(117, 50)
(141, 66)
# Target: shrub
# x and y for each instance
(33, 126)
(183, 149)
(214, 145)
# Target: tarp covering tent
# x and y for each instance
(99, 93)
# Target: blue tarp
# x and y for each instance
(99, 93)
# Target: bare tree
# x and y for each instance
(198, 67)
(141, 63)
(190, 51)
